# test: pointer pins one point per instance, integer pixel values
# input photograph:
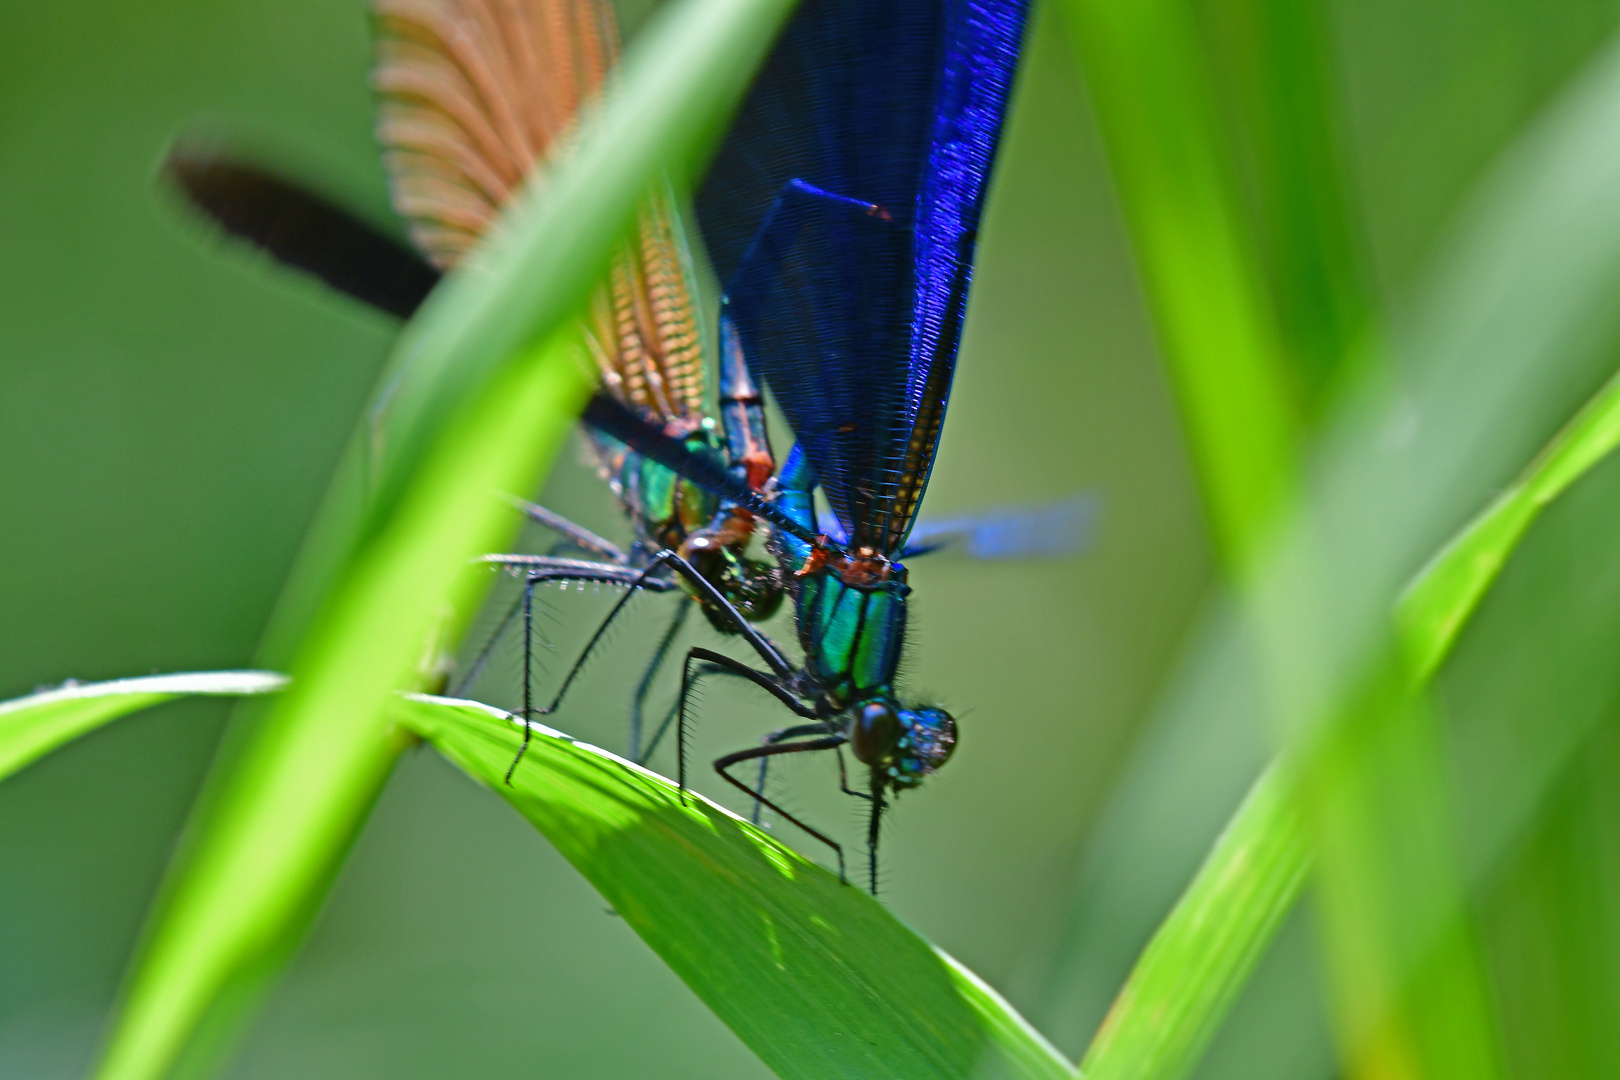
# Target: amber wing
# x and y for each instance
(474, 95)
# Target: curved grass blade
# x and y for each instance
(33, 726)
(1253, 875)
(1191, 971)
(1226, 917)
(816, 977)
(464, 411)
(279, 827)
(1439, 601)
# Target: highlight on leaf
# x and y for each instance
(33, 726)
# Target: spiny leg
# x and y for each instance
(663, 729)
(477, 666)
(644, 687)
(528, 682)
(767, 649)
(674, 712)
(577, 535)
(561, 568)
(828, 742)
(644, 579)
(733, 667)
(843, 780)
(543, 568)
(565, 570)
(795, 732)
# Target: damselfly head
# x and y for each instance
(903, 746)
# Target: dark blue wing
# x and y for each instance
(1053, 530)
(841, 215)
(1056, 530)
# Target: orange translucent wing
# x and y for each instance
(475, 94)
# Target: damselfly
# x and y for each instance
(841, 215)
(474, 94)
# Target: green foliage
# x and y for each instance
(1438, 603)
(1200, 268)
(816, 976)
(1343, 472)
(1203, 952)
(813, 974)
(1365, 760)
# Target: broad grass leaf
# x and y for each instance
(814, 975)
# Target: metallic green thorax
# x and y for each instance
(851, 636)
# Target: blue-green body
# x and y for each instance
(851, 636)
(664, 508)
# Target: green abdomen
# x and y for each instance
(666, 507)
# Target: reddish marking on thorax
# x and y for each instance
(760, 466)
(737, 528)
(862, 569)
(816, 560)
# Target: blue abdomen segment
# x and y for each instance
(851, 636)
(795, 486)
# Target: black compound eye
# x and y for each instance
(708, 558)
(929, 740)
(875, 732)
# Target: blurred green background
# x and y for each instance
(170, 411)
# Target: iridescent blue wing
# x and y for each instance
(845, 103)
(841, 215)
(1055, 530)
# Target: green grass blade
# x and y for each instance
(1434, 609)
(1406, 982)
(33, 726)
(1215, 928)
(816, 977)
(464, 413)
(277, 832)
(1188, 976)
(1200, 271)
(1274, 69)
(1254, 872)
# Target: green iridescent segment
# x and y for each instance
(851, 636)
(877, 652)
(669, 508)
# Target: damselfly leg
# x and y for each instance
(650, 578)
(573, 533)
(776, 743)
